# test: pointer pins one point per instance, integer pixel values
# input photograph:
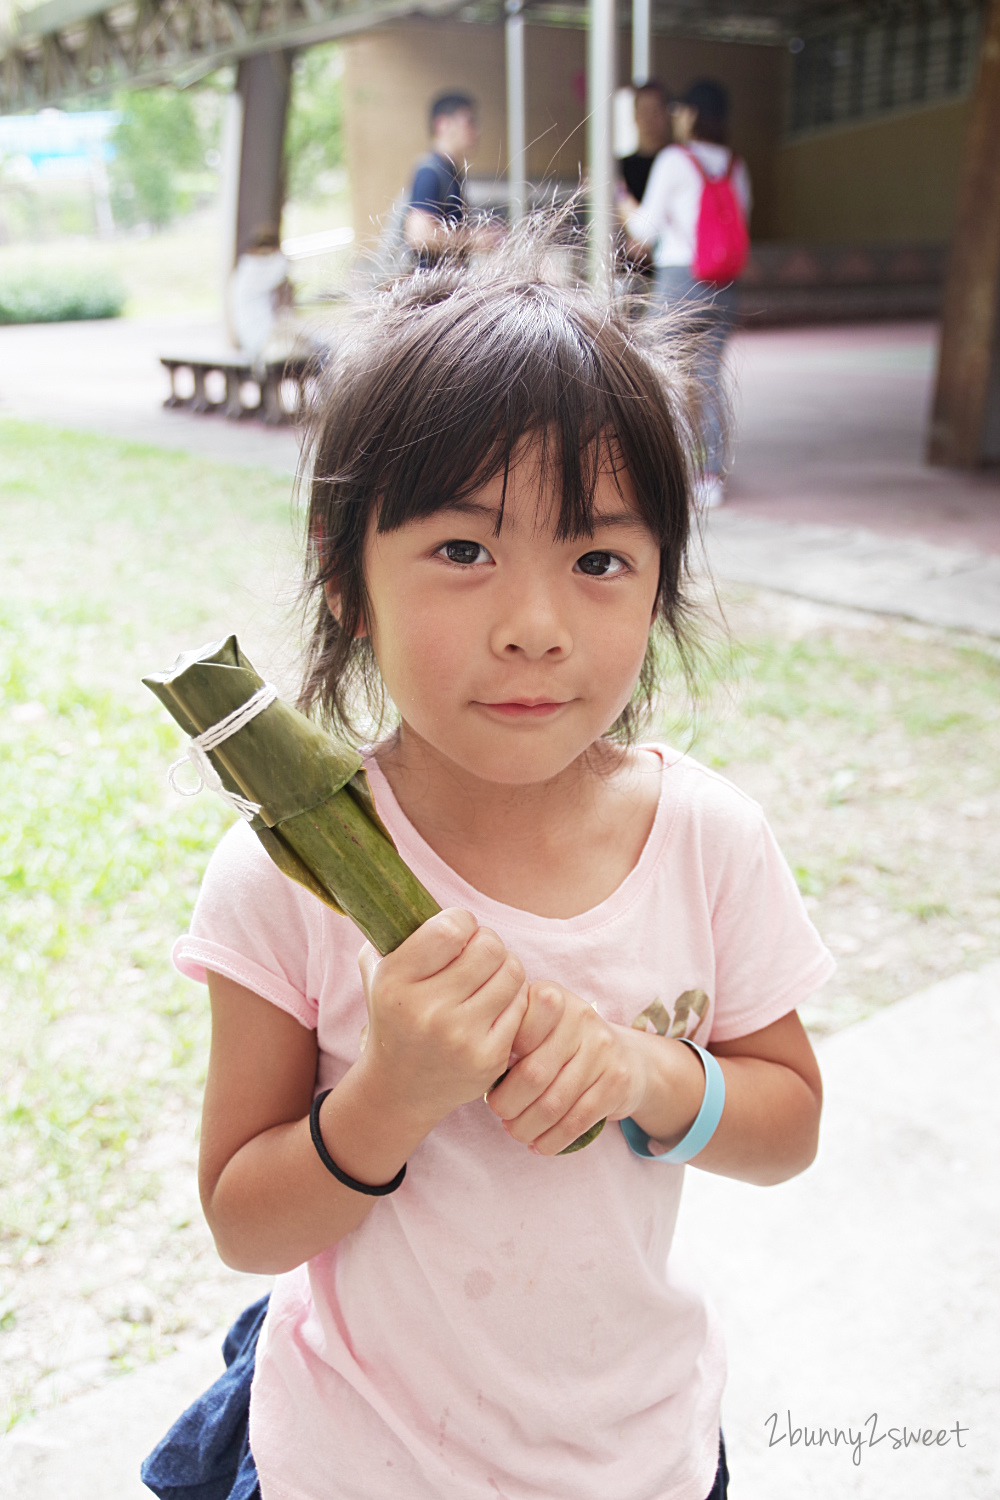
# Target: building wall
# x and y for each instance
(392, 74)
(889, 179)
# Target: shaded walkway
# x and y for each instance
(831, 431)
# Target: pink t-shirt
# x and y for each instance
(507, 1325)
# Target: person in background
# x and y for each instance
(652, 123)
(666, 221)
(259, 290)
(437, 198)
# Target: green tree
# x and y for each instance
(157, 139)
(314, 138)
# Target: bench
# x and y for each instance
(280, 387)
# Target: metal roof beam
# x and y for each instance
(69, 49)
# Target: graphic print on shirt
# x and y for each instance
(657, 1018)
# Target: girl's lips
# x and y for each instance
(515, 710)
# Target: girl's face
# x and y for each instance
(511, 654)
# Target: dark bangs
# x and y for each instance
(438, 387)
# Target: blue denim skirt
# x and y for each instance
(206, 1454)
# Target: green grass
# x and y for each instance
(50, 295)
(177, 272)
(874, 747)
(114, 557)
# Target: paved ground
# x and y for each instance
(829, 497)
(868, 1286)
(832, 424)
(106, 377)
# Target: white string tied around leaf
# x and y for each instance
(198, 748)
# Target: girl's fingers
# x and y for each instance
(531, 1079)
(483, 958)
(504, 1028)
(546, 1006)
(434, 946)
(582, 1113)
(494, 996)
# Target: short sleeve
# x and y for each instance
(426, 192)
(769, 958)
(255, 926)
(666, 178)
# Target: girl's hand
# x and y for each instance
(573, 1069)
(443, 1010)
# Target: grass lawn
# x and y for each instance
(874, 746)
(114, 558)
(178, 271)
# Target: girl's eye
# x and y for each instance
(600, 564)
(465, 552)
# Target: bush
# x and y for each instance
(49, 295)
(314, 138)
(156, 141)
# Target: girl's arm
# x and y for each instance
(443, 1010)
(576, 1067)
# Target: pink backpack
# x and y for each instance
(721, 242)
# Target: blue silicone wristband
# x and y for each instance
(706, 1121)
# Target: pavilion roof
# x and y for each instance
(62, 50)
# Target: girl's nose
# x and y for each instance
(532, 626)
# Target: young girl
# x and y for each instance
(498, 530)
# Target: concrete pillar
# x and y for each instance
(642, 42)
(965, 425)
(600, 157)
(517, 183)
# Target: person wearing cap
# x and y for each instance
(666, 221)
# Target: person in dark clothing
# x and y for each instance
(652, 122)
(437, 196)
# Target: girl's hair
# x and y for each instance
(437, 387)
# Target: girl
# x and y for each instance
(498, 529)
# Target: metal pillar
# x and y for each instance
(517, 165)
(642, 42)
(600, 158)
(965, 426)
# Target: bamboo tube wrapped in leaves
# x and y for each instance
(305, 796)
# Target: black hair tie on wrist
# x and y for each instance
(331, 1165)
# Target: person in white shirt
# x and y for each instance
(666, 221)
(259, 290)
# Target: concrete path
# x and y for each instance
(905, 575)
(107, 378)
(867, 1288)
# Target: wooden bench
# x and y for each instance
(238, 371)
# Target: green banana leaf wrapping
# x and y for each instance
(317, 817)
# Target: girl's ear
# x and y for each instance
(333, 604)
